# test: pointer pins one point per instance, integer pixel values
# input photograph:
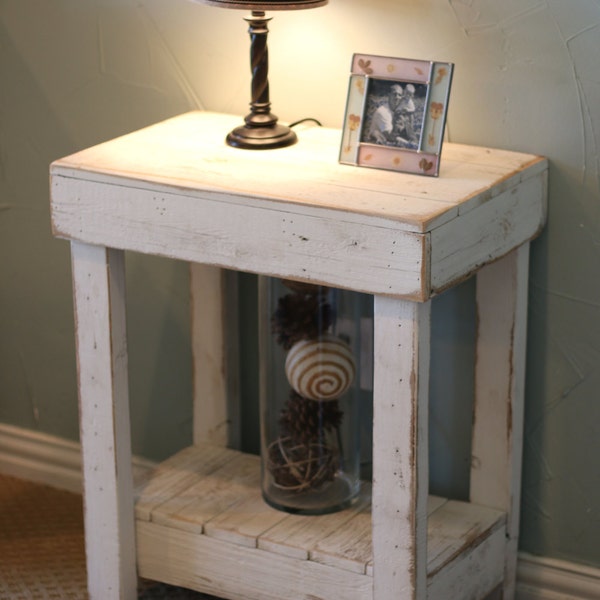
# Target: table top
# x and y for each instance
(188, 152)
(181, 169)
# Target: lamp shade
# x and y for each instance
(265, 5)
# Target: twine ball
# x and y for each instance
(320, 369)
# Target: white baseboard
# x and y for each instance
(55, 461)
(47, 459)
(540, 578)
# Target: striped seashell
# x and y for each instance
(320, 369)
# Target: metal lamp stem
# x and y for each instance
(261, 129)
(259, 64)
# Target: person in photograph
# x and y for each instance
(403, 132)
(407, 102)
(382, 121)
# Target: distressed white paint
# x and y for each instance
(221, 500)
(176, 475)
(171, 191)
(400, 449)
(215, 351)
(499, 225)
(232, 231)
(235, 572)
(54, 461)
(296, 536)
(533, 65)
(499, 393)
(99, 291)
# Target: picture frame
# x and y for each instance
(396, 114)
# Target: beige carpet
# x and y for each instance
(42, 547)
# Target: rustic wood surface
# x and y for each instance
(187, 152)
(400, 446)
(174, 189)
(213, 309)
(500, 394)
(226, 505)
(99, 285)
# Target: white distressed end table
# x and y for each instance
(176, 190)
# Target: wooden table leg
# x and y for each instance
(499, 394)
(215, 349)
(400, 452)
(99, 294)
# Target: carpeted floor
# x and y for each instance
(42, 553)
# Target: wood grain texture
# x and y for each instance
(229, 505)
(400, 448)
(188, 152)
(296, 536)
(229, 231)
(176, 190)
(474, 576)
(455, 527)
(99, 284)
(499, 393)
(246, 522)
(238, 573)
(210, 495)
(171, 190)
(176, 475)
(480, 236)
(348, 548)
(215, 351)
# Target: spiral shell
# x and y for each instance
(320, 369)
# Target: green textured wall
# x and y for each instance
(77, 72)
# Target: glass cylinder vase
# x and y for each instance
(309, 396)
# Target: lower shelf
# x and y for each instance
(201, 523)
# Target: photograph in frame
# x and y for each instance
(395, 114)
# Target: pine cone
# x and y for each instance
(300, 317)
(307, 420)
(304, 287)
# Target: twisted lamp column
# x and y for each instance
(261, 129)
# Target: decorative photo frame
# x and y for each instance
(396, 114)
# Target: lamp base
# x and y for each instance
(261, 138)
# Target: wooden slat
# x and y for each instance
(228, 571)
(210, 495)
(467, 539)
(99, 296)
(350, 547)
(175, 475)
(244, 522)
(225, 503)
(498, 226)
(456, 526)
(473, 574)
(434, 503)
(265, 237)
(296, 535)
